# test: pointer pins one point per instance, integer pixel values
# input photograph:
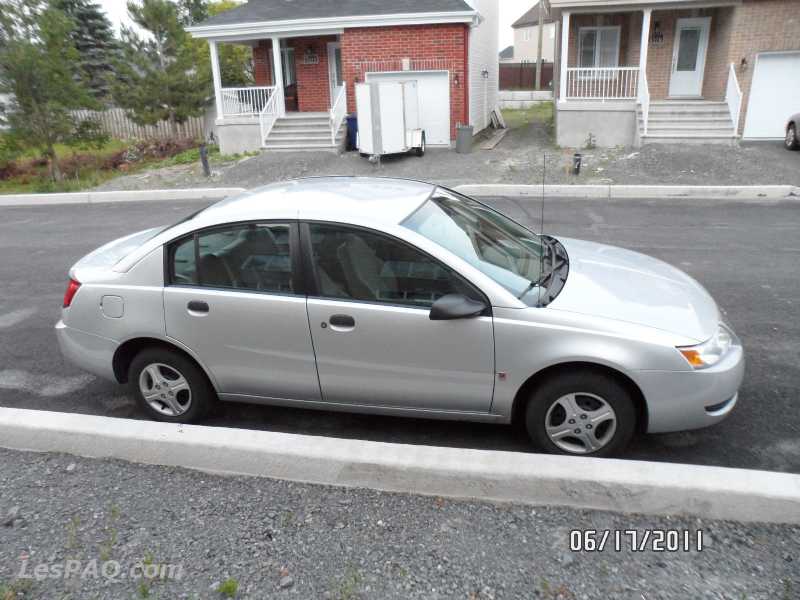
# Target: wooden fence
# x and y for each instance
(522, 76)
(116, 123)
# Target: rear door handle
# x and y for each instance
(197, 306)
(342, 321)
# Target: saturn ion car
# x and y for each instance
(401, 298)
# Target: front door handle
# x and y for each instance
(197, 306)
(342, 321)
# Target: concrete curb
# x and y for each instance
(642, 192)
(207, 194)
(614, 485)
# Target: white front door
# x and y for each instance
(689, 57)
(334, 69)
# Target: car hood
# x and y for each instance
(619, 284)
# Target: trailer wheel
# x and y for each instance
(421, 149)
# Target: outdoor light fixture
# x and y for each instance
(457, 80)
(658, 36)
(743, 64)
(485, 73)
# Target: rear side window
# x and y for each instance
(243, 257)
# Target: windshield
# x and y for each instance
(494, 244)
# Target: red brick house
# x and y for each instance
(676, 71)
(319, 49)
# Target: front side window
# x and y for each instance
(492, 243)
(242, 257)
(355, 264)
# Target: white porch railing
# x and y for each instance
(245, 101)
(270, 114)
(338, 111)
(644, 101)
(602, 83)
(733, 96)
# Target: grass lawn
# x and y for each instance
(538, 113)
(90, 167)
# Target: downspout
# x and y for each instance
(467, 34)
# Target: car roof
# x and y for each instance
(386, 201)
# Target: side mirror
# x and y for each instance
(456, 306)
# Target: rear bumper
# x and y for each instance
(90, 352)
(679, 401)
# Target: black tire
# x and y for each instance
(591, 389)
(421, 150)
(792, 142)
(202, 395)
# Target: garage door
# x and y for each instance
(774, 95)
(434, 101)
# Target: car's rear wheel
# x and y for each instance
(585, 414)
(170, 387)
(792, 143)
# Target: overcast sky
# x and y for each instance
(510, 11)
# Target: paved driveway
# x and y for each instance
(746, 254)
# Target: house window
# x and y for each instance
(526, 34)
(289, 73)
(598, 47)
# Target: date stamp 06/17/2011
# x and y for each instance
(636, 540)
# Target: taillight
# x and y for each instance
(72, 289)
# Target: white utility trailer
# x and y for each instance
(388, 118)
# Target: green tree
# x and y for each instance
(235, 61)
(38, 63)
(158, 78)
(94, 39)
(192, 12)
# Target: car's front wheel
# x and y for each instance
(170, 387)
(792, 143)
(584, 413)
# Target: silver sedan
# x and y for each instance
(401, 298)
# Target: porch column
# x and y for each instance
(277, 62)
(644, 45)
(212, 46)
(564, 60)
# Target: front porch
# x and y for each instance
(645, 76)
(305, 111)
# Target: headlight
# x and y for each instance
(709, 353)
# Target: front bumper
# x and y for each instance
(90, 352)
(683, 400)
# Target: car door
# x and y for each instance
(233, 297)
(370, 323)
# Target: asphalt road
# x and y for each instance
(746, 254)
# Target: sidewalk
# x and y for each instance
(278, 539)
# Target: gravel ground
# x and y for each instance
(518, 159)
(278, 539)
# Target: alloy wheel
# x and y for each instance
(165, 389)
(791, 138)
(580, 423)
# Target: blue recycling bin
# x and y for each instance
(352, 132)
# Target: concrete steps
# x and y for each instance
(687, 122)
(304, 131)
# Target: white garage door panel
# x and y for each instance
(434, 101)
(774, 95)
